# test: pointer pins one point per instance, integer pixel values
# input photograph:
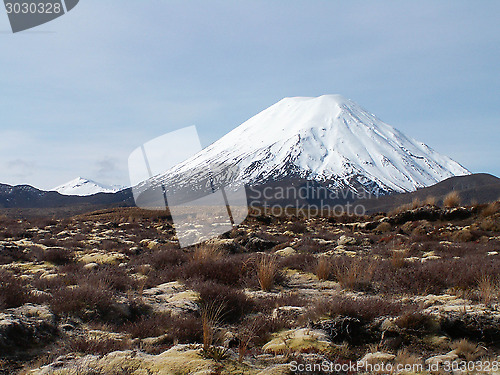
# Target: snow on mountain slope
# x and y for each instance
(327, 138)
(82, 187)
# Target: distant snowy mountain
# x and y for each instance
(83, 187)
(328, 139)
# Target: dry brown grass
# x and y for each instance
(430, 201)
(267, 270)
(398, 210)
(416, 203)
(210, 316)
(452, 199)
(490, 224)
(246, 334)
(487, 289)
(356, 274)
(491, 209)
(207, 252)
(406, 358)
(398, 258)
(323, 268)
(383, 227)
(467, 350)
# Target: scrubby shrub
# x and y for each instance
(56, 255)
(303, 262)
(262, 326)
(13, 292)
(416, 321)
(88, 302)
(434, 276)
(96, 345)
(110, 277)
(383, 227)
(235, 303)
(228, 270)
(490, 224)
(163, 258)
(464, 235)
(183, 329)
(297, 227)
(308, 246)
(364, 308)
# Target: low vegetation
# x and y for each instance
(416, 283)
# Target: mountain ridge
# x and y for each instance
(24, 200)
(477, 188)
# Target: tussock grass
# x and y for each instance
(207, 252)
(353, 274)
(491, 209)
(383, 227)
(267, 270)
(452, 200)
(487, 288)
(398, 258)
(211, 314)
(323, 268)
(430, 201)
(466, 349)
(406, 358)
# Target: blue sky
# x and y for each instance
(77, 95)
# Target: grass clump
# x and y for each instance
(353, 273)
(323, 268)
(452, 200)
(267, 270)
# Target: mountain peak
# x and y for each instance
(332, 98)
(330, 139)
(82, 186)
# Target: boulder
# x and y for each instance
(286, 252)
(25, 326)
(439, 359)
(288, 313)
(343, 328)
(346, 240)
(377, 357)
(172, 297)
(298, 340)
(103, 257)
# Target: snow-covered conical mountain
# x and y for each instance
(328, 139)
(82, 187)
